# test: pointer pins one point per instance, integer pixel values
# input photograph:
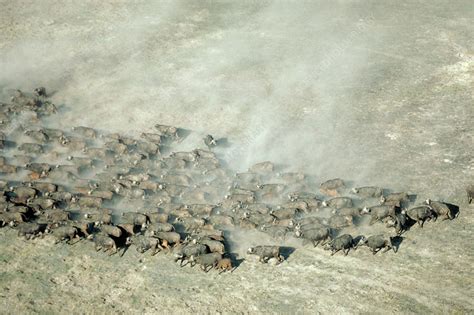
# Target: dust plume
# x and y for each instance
(275, 79)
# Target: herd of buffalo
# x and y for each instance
(120, 191)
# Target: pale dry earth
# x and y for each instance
(374, 92)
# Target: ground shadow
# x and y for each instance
(183, 133)
(409, 223)
(223, 143)
(412, 198)
(358, 220)
(234, 258)
(286, 251)
(7, 144)
(357, 239)
(396, 242)
(454, 209)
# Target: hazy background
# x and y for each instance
(375, 92)
(333, 88)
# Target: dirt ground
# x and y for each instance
(376, 93)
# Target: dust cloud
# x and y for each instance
(274, 79)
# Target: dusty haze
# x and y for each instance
(282, 81)
(374, 92)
